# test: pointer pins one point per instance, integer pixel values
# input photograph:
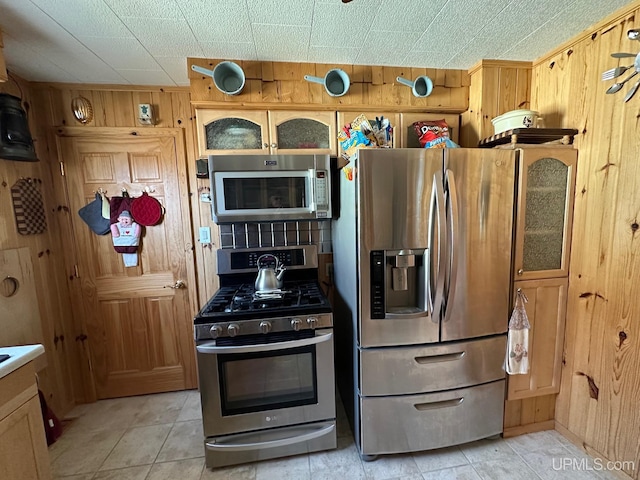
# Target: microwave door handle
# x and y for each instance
(212, 348)
(454, 243)
(437, 220)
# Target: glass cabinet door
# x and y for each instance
(301, 132)
(224, 132)
(545, 210)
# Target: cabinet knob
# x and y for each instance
(520, 271)
(274, 145)
(265, 145)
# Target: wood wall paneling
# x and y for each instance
(601, 368)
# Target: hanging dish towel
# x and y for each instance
(517, 356)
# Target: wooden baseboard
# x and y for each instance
(578, 442)
(529, 428)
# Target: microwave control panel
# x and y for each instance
(322, 194)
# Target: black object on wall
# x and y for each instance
(15, 139)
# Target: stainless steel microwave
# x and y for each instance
(267, 188)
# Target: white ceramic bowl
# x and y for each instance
(514, 119)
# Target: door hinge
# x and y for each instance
(76, 272)
(62, 169)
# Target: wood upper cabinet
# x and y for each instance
(408, 135)
(3, 67)
(545, 211)
(265, 132)
(546, 310)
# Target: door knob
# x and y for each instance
(520, 271)
(178, 285)
(274, 145)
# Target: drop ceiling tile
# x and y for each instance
(337, 25)
(146, 77)
(379, 41)
(120, 52)
(415, 15)
(167, 37)
(38, 68)
(87, 68)
(281, 12)
(269, 44)
(176, 68)
(217, 20)
(145, 8)
(333, 55)
(84, 17)
(229, 50)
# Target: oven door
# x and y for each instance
(288, 380)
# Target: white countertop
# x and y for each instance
(19, 356)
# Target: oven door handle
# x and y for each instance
(233, 447)
(263, 347)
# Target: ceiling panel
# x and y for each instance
(126, 41)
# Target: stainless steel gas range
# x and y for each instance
(265, 361)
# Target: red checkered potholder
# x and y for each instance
(28, 206)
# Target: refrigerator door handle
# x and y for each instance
(454, 239)
(437, 218)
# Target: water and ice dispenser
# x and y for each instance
(398, 282)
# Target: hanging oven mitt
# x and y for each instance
(146, 210)
(106, 206)
(91, 213)
(517, 356)
(124, 231)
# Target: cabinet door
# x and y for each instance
(394, 119)
(237, 131)
(545, 212)
(302, 132)
(546, 310)
(23, 445)
(409, 137)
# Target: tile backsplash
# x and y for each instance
(277, 234)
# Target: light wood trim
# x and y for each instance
(110, 87)
(116, 131)
(143, 286)
(546, 338)
(305, 107)
(499, 64)
(527, 157)
(529, 428)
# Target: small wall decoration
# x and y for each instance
(517, 357)
(82, 110)
(28, 206)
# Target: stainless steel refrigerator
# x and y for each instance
(422, 249)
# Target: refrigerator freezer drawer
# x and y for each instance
(405, 370)
(423, 422)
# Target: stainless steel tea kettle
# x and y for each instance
(269, 278)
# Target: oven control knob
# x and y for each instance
(233, 329)
(265, 327)
(295, 324)
(215, 331)
(312, 321)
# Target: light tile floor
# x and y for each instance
(159, 437)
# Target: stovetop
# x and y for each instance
(241, 302)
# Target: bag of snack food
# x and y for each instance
(433, 134)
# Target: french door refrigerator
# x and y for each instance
(422, 263)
